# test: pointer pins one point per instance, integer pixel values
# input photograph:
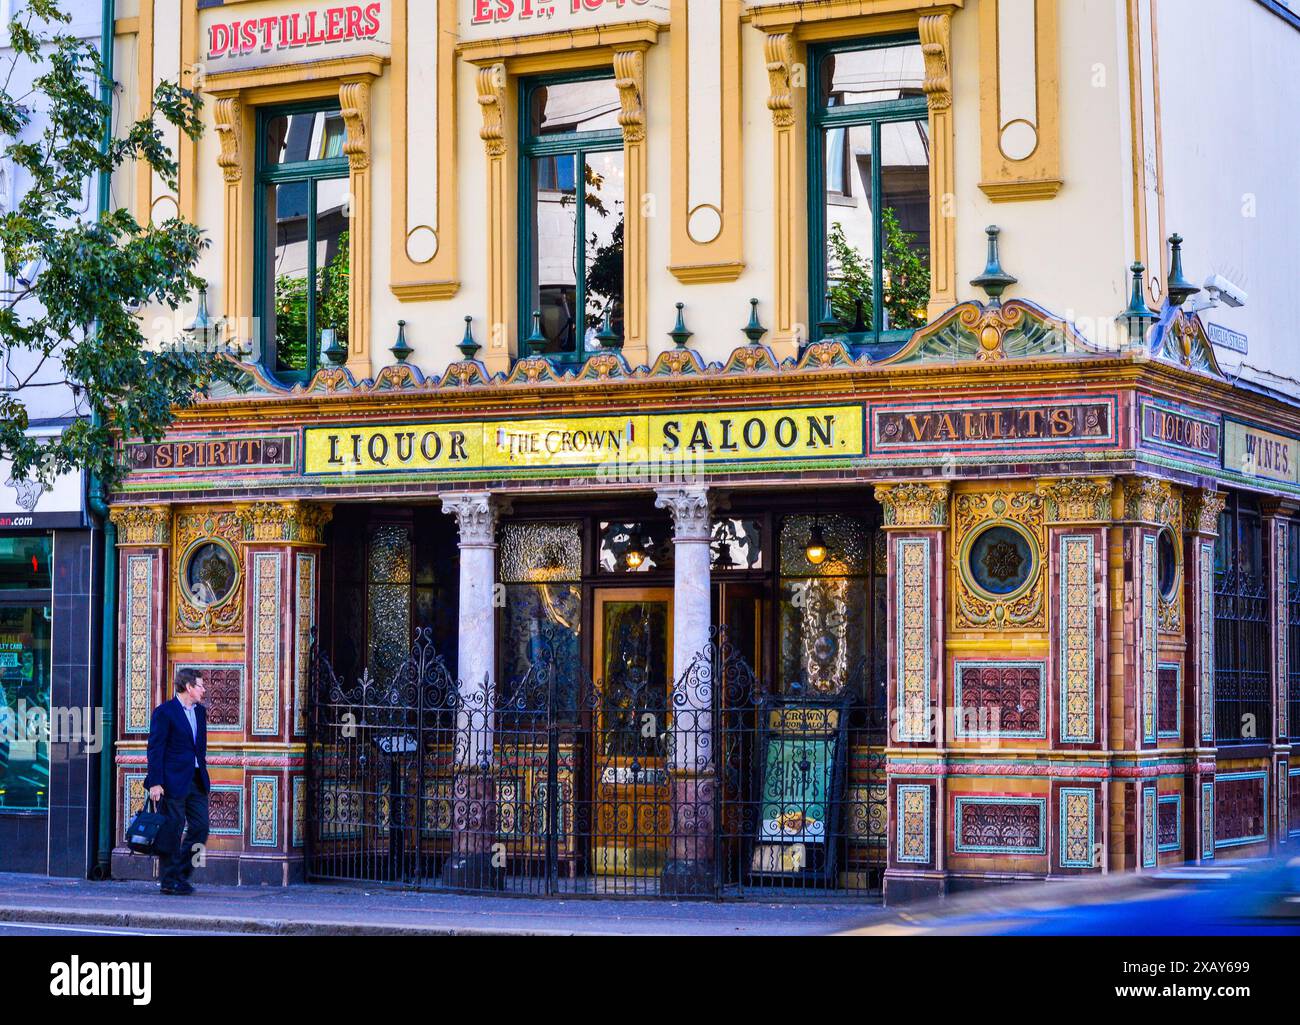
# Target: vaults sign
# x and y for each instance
(553, 446)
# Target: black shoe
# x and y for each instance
(180, 889)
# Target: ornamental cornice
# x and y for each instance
(1146, 500)
(914, 504)
(283, 522)
(477, 514)
(691, 510)
(145, 525)
(1077, 499)
(1201, 511)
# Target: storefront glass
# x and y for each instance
(823, 618)
(24, 673)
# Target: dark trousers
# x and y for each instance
(187, 814)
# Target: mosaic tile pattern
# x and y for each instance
(913, 824)
(139, 643)
(1169, 822)
(1000, 699)
(1207, 821)
(266, 811)
(1077, 631)
(305, 620)
(1078, 830)
(1148, 827)
(1240, 808)
(1169, 705)
(1205, 586)
(266, 643)
(1150, 639)
(912, 602)
(1000, 825)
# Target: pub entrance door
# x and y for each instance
(633, 659)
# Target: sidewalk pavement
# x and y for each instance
(337, 910)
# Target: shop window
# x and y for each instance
(388, 599)
(869, 191)
(635, 548)
(1242, 636)
(823, 641)
(302, 289)
(571, 248)
(25, 563)
(24, 673)
(737, 545)
(541, 654)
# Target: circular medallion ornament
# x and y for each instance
(209, 574)
(1000, 561)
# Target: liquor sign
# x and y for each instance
(982, 426)
(583, 444)
(1181, 430)
(1255, 452)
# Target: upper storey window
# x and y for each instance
(302, 279)
(869, 183)
(572, 209)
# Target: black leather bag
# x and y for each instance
(142, 833)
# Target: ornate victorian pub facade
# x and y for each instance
(537, 553)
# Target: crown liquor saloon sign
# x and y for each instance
(800, 789)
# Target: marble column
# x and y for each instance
(691, 765)
(473, 813)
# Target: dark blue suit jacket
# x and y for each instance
(173, 749)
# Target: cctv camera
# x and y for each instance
(1223, 290)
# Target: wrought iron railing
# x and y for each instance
(560, 785)
(1242, 657)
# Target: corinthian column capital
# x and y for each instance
(691, 509)
(477, 514)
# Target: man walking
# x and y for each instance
(178, 776)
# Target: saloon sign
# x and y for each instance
(344, 23)
(815, 434)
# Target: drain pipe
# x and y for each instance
(102, 869)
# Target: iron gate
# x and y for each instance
(565, 786)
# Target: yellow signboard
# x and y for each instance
(590, 442)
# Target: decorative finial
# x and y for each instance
(679, 334)
(1138, 315)
(400, 350)
(468, 347)
(829, 324)
(994, 280)
(606, 335)
(334, 352)
(1179, 289)
(754, 331)
(202, 321)
(536, 341)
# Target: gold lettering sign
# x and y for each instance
(1258, 453)
(592, 442)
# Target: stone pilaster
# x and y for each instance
(473, 812)
(916, 518)
(692, 771)
(1201, 511)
